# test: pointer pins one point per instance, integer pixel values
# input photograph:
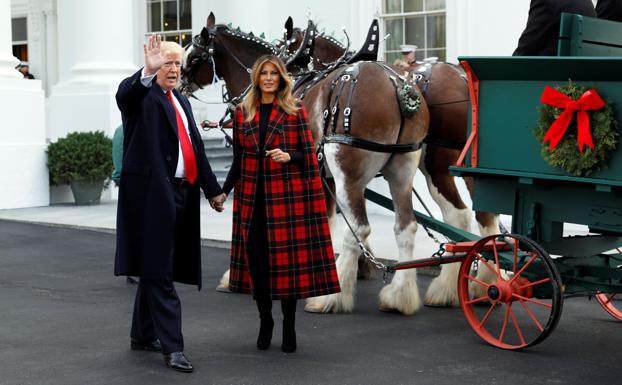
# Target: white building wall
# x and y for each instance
(23, 173)
(484, 27)
(96, 41)
(269, 16)
(81, 82)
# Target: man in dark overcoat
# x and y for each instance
(158, 221)
(609, 10)
(540, 35)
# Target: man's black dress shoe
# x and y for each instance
(178, 361)
(153, 346)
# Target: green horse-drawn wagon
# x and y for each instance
(571, 175)
(512, 177)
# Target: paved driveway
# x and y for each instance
(65, 320)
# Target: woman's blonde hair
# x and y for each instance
(284, 95)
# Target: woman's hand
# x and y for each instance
(278, 155)
(218, 202)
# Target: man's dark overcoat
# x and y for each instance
(540, 37)
(146, 207)
(609, 9)
(301, 258)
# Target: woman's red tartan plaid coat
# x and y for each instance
(301, 258)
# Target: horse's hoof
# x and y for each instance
(437, 305)
(223, 289)
(402, 299)
(223, 285)
(441, 300)
(314, 306)
(387, 309)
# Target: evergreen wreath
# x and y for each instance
(566, 155)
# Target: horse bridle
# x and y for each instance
(207, 54)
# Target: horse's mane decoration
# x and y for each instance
(566, 154)
(247, 36)
(332, 40)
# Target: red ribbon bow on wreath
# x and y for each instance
(590, 100)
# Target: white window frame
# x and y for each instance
(20, 42)
(384, 16)
(161, 31)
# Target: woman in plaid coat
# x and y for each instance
(281, 245)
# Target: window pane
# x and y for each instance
(392, 6)
(154, 17)
(413, 5)
(169, 17)
(171, 37)
(415, 28)
(20, 29)
(391, 57)
(432, 5)
(439, 53)
(186, 37)
(20, 51)
(436, 31)
(394, 27)
(185, 19)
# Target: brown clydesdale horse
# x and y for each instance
(219, 51)
(446, 93)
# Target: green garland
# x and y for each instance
(566, 155)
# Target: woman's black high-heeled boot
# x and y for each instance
(288, 307)
(267, 323)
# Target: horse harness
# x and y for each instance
(423, 77)
(346, 81)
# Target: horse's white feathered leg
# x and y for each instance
(352, 202)
(223, 285)
(402, 294)
(443, 289)
(347, 266)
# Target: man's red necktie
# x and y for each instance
(190, 162)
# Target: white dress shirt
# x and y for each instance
(147, 81)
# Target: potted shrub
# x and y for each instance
(84, 161)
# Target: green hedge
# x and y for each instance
(85, 156)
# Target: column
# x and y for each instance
(23, 170)
(95, 44)
(7, 60)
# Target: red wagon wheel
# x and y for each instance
(609, 301)
(521, 301)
